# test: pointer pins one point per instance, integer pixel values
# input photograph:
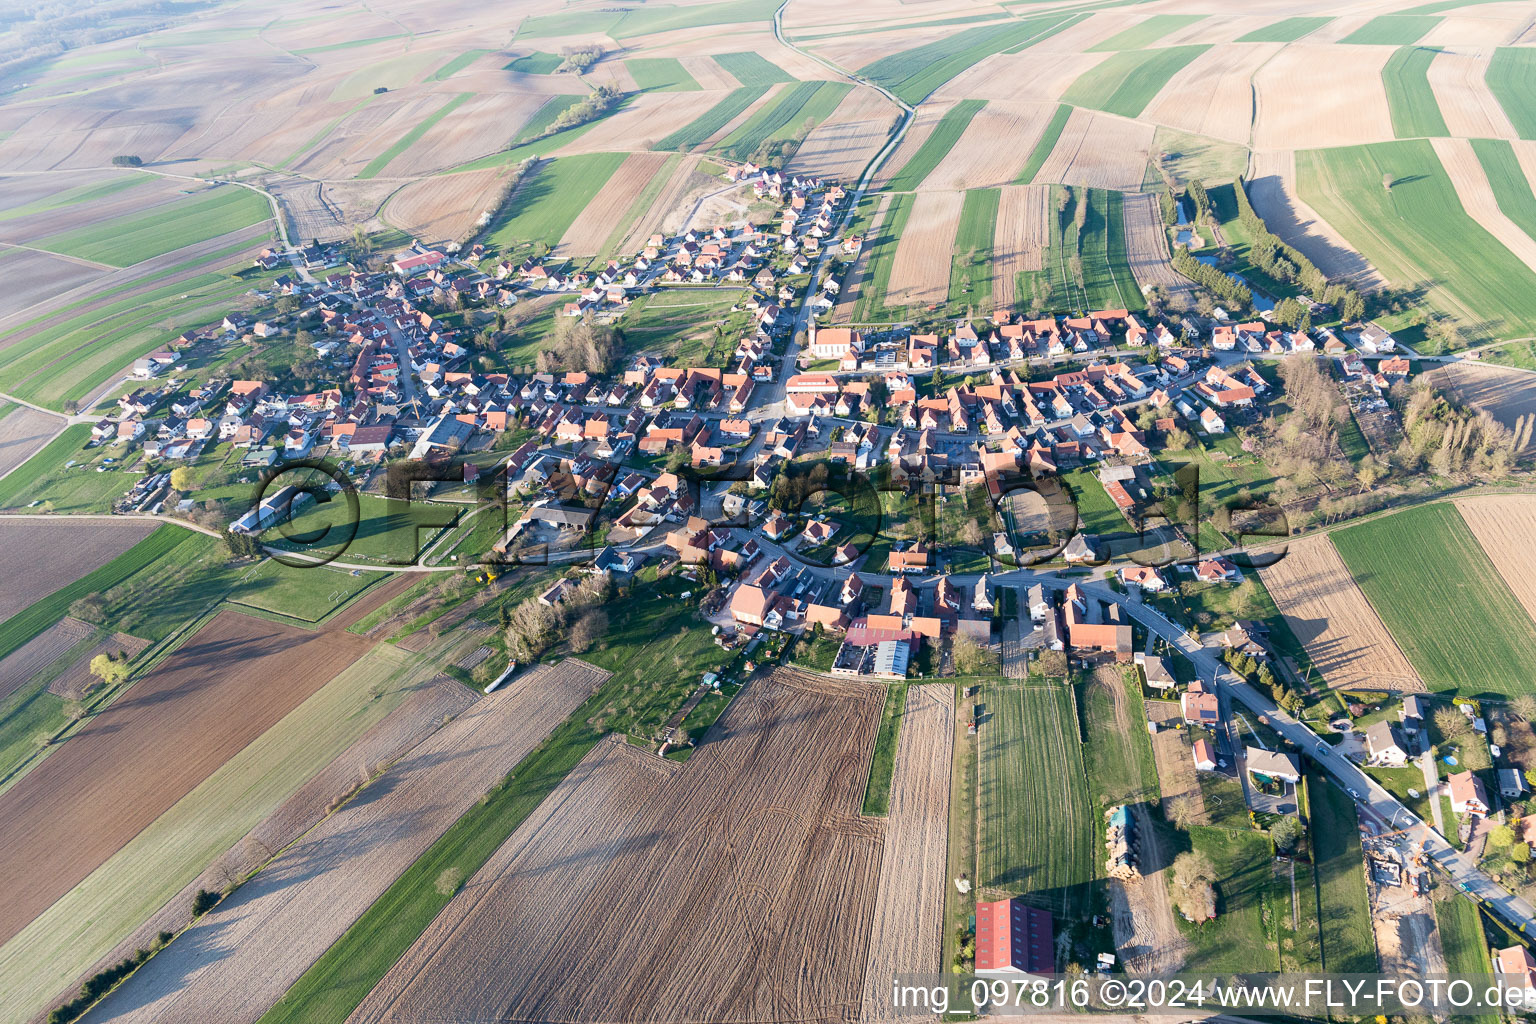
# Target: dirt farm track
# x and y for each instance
(736, 887)
(224, 687)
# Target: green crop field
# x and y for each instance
(545, 116)
(1126, 82)
(655, 654)
(87, 922)
(1107, 276)
(1249, 896)
(458, 64)
(124, 241)
(1044, 145)
(695, 132)
(913, 74)
(544, 206)
(536, 63)
(1185, 157)
(1145, 33)
(1511, 188)
(934, 148)
(1349, 946)
(751, 68)
(1118, 758)
(882, 763)
(1287, 30)
(652, 18)
(1392, 29)
(661, 74)
(784, 117)
(1445, 604)
(877, 268)
(78, 194)
(1418, 232)
(1415, 112)
(409, 139)
(1512, 80)
(1037, 825)
(351, 44)
(970, 279)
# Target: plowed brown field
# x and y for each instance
(1506, 393)
(737, 887)
(1295, 109)
(1023, 231)
(1213, 94)
(1477, 198)
(1146, 246)
(920, 271)
(591, 228)
(444, 206)
(1466, 102)
(980, 158)
(39, 556)
(224, 687)
(1100, 151)
(1505, 525)
(1331, 617)
(242, 957)
(1272, 189)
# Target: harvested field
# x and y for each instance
(1146, 248)
(1213, 94)
(42, 651)
(444, 206)
(1505, 525)
(977, 160)
(1294, 109)
(920, 271)
(1466, 103)
(1331, 617)
(38, 557)
(151, 747)
(1272, 190)
(909, 901)
(592, 227)
(750, 866)
(1100, 151)
(1506, 393)
(242, 957)
(1176, 775)
(1023, 232)
(842, 145)
(1462, 30)
(1477, 198)
(23, 432)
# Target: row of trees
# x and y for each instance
(1225, 287)
(1288, 265)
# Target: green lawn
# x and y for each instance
(882, 763)
(1118, 761)
(661, 74)
(410, 138)
(1098, 514)
(1126, 82)
(1392, 29)
(1186, 157)
(123, 241)
(1511, 188)
(1418, 232)
(1445, 604)
(1349, 946)
(536, 63)
(934, 148)
(1038, 826)
(657, 653)
(389, 531)
(970, 280)
(1145, 33)
(543, 207)
(1415, 112)
(1512, 80)
(751, 68)
(1465, 945)
(784, 117)
(1287, 30)
(1043, 147)
(697, 131)
(1248, 895)
(913, 74)
(305, 594)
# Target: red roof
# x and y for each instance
(1013, 937)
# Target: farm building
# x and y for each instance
(1012, 938)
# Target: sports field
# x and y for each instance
(1418, 233)
(1443, 601)
(1126, 82)
(1037, 827)
(123, 241)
